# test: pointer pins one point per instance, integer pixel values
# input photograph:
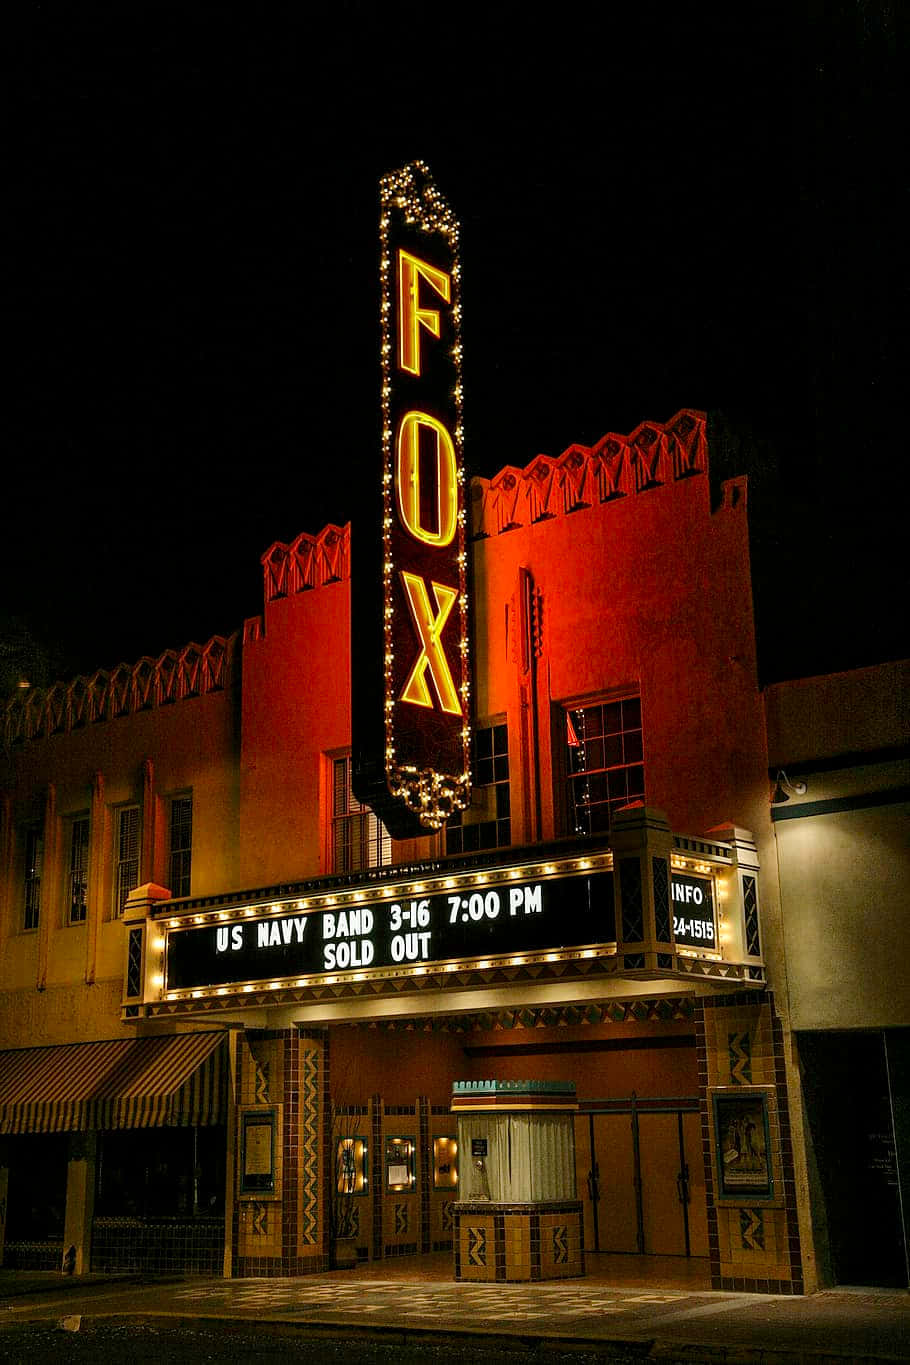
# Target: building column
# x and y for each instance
(4, 1185)
(80, 1202)
(741, 932)
(642, 842)
(6, 874)
(143, 950)
(149, 812)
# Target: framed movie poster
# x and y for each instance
(259, 1164)
(743, 1144)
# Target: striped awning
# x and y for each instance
(173, 1081)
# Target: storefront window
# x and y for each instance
(36, 1193)
(161, 1173)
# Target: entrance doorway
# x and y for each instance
(640, 1174)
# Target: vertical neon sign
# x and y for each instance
(425, 640)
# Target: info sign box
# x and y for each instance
(491, 920)
(694, 916)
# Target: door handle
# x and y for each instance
(682, 1185)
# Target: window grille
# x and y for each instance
(127, 870)
(359, 839)
(34, 861)
(605, 762)
(78, 870)
(490, 771)
(181, 845)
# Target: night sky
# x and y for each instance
(656, 212)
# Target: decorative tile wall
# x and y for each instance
(518, 1242)
(754, 1244)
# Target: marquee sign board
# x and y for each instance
(476, 921)
(411, 714)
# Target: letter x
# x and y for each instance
(432, 656)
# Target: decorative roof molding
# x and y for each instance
(308, 562)
(652, 455)
(143, 686)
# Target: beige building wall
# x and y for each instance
(842, 846)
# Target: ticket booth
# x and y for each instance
(517, 1217)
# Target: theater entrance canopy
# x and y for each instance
(651, 912)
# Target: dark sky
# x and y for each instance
(657, 213)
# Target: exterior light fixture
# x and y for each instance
(784, 789)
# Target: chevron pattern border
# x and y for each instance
(477, 1246)
(740, 1049)
(309, 1129)
(752, 1229)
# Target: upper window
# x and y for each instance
(126, 848)
(180, 845)
(34, 862)
(359, 838)
(465, 833)
(605, 762)
(77, 881)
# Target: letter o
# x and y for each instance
(407, 479)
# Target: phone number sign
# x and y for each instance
(694, 921)
(473, 922)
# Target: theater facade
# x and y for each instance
(234, 1009)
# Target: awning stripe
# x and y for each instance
(176, 1080)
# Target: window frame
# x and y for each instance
(31, 881)
(80, 820)
(173, 853)
(497, 727)
(372, 836)
(118, 862)
(602, 736)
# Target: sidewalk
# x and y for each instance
(660, 1325)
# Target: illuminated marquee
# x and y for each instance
(424, 773)
(400, 930)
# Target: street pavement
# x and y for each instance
(662, 1325)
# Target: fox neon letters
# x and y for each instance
(432, 657)
(407, 479)
(411, 317)
(423, 773)
(411, 452)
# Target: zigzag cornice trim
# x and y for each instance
(308, 562)
(652, 455)
(108, 694)
(617, 466)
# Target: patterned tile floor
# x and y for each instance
(457, 1304)
(420, 1290)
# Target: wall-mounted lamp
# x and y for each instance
(784, 789)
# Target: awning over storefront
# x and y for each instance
(174, 1081)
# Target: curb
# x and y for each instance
(664, 1352)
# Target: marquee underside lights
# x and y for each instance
(412, 732)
